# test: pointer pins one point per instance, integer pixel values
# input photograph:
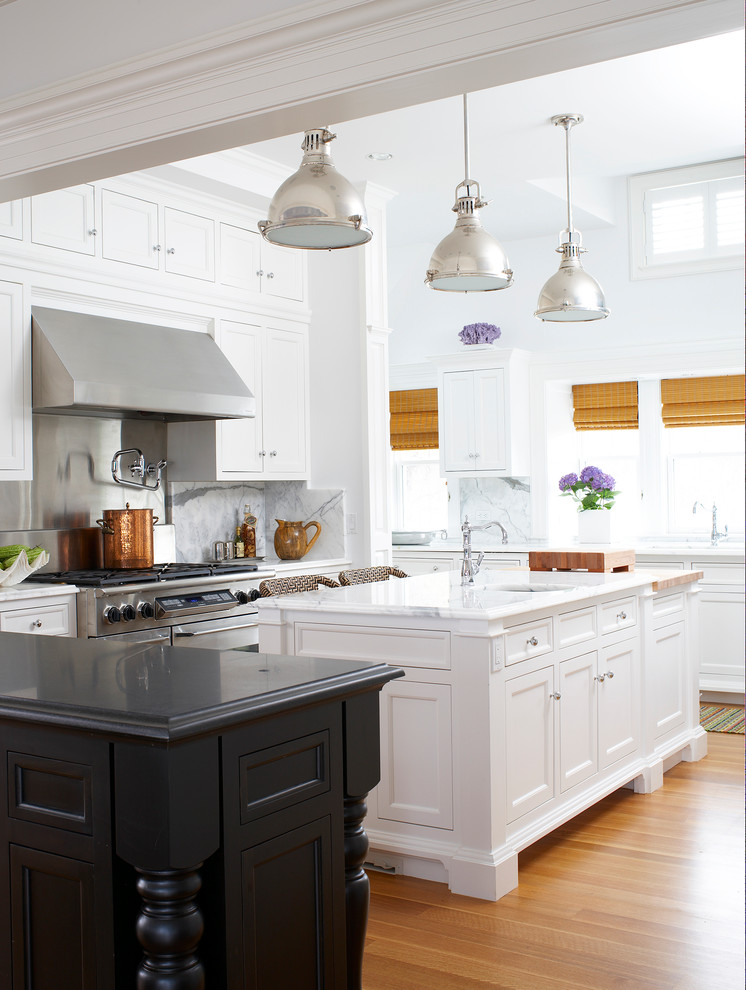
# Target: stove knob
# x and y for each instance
(112, 614)
(128, 613)
(146, 610)
(242, 598)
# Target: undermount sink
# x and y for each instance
(523, 588)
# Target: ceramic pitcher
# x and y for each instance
(291, 542)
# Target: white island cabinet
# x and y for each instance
(527, 698)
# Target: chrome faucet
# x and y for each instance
(469, 567)
(715, 537)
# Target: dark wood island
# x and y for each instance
(180, 819)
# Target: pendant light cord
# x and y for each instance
(467, 174)
(568, 124)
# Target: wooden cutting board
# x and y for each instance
(597, 560)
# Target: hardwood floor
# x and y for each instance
(641, 892)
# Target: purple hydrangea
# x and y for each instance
(567, 481)
(596, 478)
(479, 333)
(592, 490)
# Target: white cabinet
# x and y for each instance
(667, 678)
(11, 219)
(272, 358)
(65, 219)
(15, 386)
(483, 415)
(129, 229)
(189, 243)
(249, 262)
(50, 616)
(529, 741)
(424, 563)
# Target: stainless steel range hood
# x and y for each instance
(94, 366)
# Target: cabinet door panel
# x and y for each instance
(618, 703)
(240, 262)
(578, 720)
(667, 679)
(283, 272)
(416, 773)
(11, 219)
(129, 229)
(190, 245)
(529, 741)
(64, 219)
(53, 921)
(721, 635)
(489, 420)
(284, 401)
(241, 439)
(458, 421)
(15, 386)
(288, 899)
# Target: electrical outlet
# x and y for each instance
(351, 523)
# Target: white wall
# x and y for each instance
(682, 308)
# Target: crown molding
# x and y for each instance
(329, 61)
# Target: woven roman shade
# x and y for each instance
(715, 401)
(605, 406)
(414, 419)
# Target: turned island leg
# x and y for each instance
(169, 928)
(357, 888)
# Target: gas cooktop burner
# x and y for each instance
(161, 572)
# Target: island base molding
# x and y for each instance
(491, 874)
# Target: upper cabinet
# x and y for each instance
(249, 262)
(144, 228)
(15, 385)
(483, 414)
(65, 219)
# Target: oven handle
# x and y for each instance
(212, 627)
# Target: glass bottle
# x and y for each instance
(248, 532)
(239, 545)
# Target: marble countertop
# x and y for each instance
(162, 693)
(495, 594)
(27, 589)
(692, 549)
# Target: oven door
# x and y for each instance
(238, 633)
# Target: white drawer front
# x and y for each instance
(577, 626)
(51, 620)
(532, 639)
(410, 648)
(730, 574)
(618, 615)
(668, 604)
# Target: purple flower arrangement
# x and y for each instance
(479, 333)
(591, 490)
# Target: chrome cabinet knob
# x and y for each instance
(38, 623)
(435, 567)
(609, 674)
(171, 251)
(599, 678)
(262, 453)
(93, 232)
(556, 695)
(270, 274)
(156, 247)
(532, 642)
(622, 616)
(260, 272)
(273, 453)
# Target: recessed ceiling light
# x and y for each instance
(379, 156)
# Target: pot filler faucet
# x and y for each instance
(470, 567)
(715, 537)
(138, 469)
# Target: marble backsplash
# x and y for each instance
(508, 500)
(203, 514)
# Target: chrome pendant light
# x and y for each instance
(316, 208)
(571, 295)
(468, 259)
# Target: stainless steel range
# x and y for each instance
(206, 605)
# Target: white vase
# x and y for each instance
(594, 526)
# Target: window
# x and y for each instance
(420, 494)
(687, 220)
(617, 452)
(705, 464)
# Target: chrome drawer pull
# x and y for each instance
(609, 674)
(532, 642)
(556, 695)
(38, 623)
(600, 678)
(622, 615)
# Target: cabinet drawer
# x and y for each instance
(50, 792)
(283, 775)
(424, 564)
(531, 639)
(664, 605)
(720, 574)
(576, 626)
(47, 620)
(618, 615)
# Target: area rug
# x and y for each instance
(721, 718)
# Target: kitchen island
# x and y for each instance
(528, 697)
(176, 819)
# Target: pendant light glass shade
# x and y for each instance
(468, 259)
(316, 208)
(571, 295)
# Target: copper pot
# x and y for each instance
(128, 537)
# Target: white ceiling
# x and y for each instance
(676, 106)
